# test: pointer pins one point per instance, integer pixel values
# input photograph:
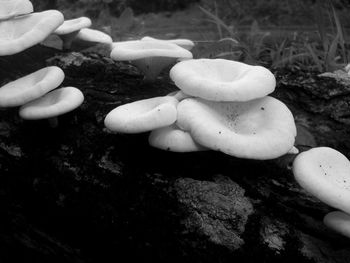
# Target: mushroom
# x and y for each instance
(53, 104)
(325, 173)
(222, 80)
(143, 115)
(30, 87)
(12, 8)
(172, 138)
(151, 57)
(26, 31)
(339, 222)
(184, 43)
(70, 28)
(87, 37)
(257, 129)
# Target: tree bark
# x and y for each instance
(78, 193)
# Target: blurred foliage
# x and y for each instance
(93, 8)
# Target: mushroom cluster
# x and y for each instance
(222, 105)
(325, 173)
(35, 93)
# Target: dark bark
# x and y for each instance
(78, 193)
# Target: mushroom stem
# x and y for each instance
(68, 39)
(53, 122)
(152, 66)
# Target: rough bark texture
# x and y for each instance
(78, 193)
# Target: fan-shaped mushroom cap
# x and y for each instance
(172, 138)
(258, 129)
(222, 80)
(73, 25)
(24, 32)
(325, 173)
(151, 57)
(184, 43)
(12, 8)
(30, 87)
(53, 104)
(339, 222)
(143, 115)
(93, 36)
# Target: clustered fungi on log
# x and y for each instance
(210, 216)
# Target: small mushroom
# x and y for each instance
(53, 104)
(222, 80)
(26, 31)
(184, 43)
(339, 222)
(30, 87)
(151, 57)
(89, 37)
(257, 129)
(143, 115)
(12, 8)
(325, 173)
(172, 138)
(70, 28)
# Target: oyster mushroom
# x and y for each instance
(339, 222)
(30, 87)
(325, 173)
(143, 115)
(258, 129)
(222, 80)
(172, 138)
(12, 8)
(89, 37)
(184, 43)
(52, 105)
(70, 28)
(26, 31)
(151, 57)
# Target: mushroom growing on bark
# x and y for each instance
(53, 104)
(172, 138)
(30, 87)
(339, 222)
(325, 173)
(258, 129)
(26, 31)
(12, 8)
(143, 115)
(151, 57)
(70, 28)
(184, 43)
(222, 80)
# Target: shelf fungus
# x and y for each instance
(143, 115)
(151, 57)
(259, 129)
(325, 173)
(30, 87)
(23, 32)
(222, 80)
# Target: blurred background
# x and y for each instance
(295, 34)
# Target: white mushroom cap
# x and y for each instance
(179, 95)
(53, 104)
(172, 138)
(258, 129)
(143, 115)
(136, 49)
(30, 87)
(325, 173)
(222, 80)
(24, 32)
(93, 36)
(12, 8)
(73, 25)
(184, 43)
(151, 57)
(339, 222)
